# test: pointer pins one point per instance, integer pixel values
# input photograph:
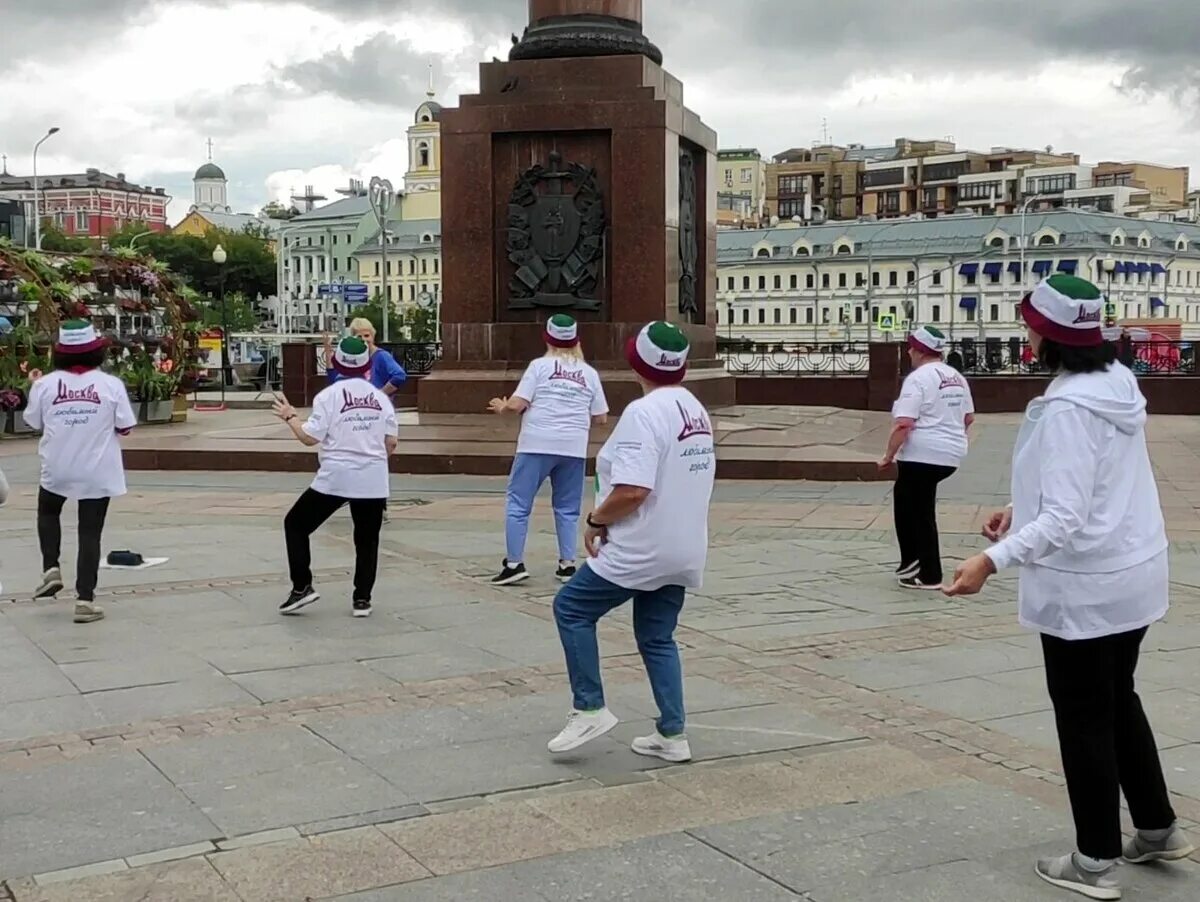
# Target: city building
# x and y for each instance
(425, 149)
(414, 262)
(964, 274)
(89, 204)
(1167, 186)
(210, 208)
(741, 186)
(13, 224)
(1000, 186)
(816, 184)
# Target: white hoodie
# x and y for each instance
(1087, 528)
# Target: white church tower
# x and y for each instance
(425, 146)
(210, 187)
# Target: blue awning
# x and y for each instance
(1157, 268)
(968, 269)
(1015, 267)
(967, 303)
(1155, 303)
(994, 269)
(1119, 269)
(1143, 268)
(1068, 266)
(1041, 267)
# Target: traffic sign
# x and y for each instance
(887, 322)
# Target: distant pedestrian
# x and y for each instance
(1086, 529)
(80, 410)
(928, 442)
(355, 425)
(559, 399)
(647, 540)
(385, 373)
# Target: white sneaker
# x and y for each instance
(582, 727)
(675, 749)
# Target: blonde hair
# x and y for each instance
(573, 353)
(361, 322)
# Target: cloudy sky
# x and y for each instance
(296, 92)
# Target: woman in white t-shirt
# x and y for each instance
(355, 424)
(559, 399)
(1086, 530)
(647, 540)
(80, 410)
(928, 442)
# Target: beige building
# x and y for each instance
(1167, 185)
(816, 184)
(999, 188)
(741, 187)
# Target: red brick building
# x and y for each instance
(91, 204)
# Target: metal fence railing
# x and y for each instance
(1014, 356)
(794, 358)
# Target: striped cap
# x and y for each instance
(659, 353)
(1066, 309)
(927, 340)
(78, 336)
(562, 331)
(352, 357)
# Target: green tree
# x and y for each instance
(54, 239)
(373, 310)
(420, 324)
(249, 268)
(239, 313)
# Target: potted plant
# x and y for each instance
(19, 360)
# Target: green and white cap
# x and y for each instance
(1066, 309)
(352, 357)
(78, 336)
(927, 340)
(562, 331)
(659, 353)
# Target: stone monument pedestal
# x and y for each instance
(576, 183)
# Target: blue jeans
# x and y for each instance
(528, 473)
(588, 597)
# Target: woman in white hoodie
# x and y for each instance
(1086, 530)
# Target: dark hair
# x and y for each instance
(92, 359)
(1055, 357)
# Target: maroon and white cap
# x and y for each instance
(1066, 309)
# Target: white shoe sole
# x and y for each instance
(1172, 855)
(49, 590)
(663, 754)
(911, 588)
(512, 580)
(1092, 892)
(564, 579)
(583, 740)
(358, 613)
(299, 605)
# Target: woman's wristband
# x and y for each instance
(594, 525)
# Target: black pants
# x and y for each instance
(311, 510)
(92, 512)
(1105, 740)
(914, 502)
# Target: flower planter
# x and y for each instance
(179, 409)
(156, 411)
(14, 423)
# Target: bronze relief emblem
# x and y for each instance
(556, 228)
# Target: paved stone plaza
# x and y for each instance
(854, 742)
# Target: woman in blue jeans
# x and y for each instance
(559, 399)
(647, 540)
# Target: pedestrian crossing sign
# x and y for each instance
(887, 322)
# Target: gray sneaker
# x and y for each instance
(1176, 846)
(1066, 874)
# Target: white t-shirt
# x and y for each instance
(663, 442)
(563, 397)
(352, 419)
(938, 398)
(79, 415)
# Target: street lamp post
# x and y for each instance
(37, 191)
(382, 196)
(1109, 265)
(871, 269)
(219, 257)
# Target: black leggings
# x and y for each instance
(1105, 740)
(915, 505)
(92, 512)
(308, 513)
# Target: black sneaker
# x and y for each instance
(362, 608)
(908, 569)
(914, 582)
(297, 600)
(510, 575)
(565, 572)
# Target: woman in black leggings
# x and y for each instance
(80, 410)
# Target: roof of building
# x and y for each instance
(957, 235)
(435, 111)
(237, 222)
(406, 235)
(209, 170)
(93, 178)
(345, 208)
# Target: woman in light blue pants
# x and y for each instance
(559, 399)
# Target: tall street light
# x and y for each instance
(382, 195)
(1109, 265)
(37, 190)
(219, 257)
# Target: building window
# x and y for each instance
(980, 191)
(745, 283)
(841, 280)
(794, 281)
(778, 282)
(729, 284)
(423, 155)
(81, 221)
(824, 316)
(809, 281)
(424, 266)
(778, 316)
(929, 198)
(808, 316)
(747, 176)
(1047, 240)
(412, 292)
(790, 209)
(824, 280)
(858, 315)
(792, 316)
(745, 317)
(893, 279)
(994, 313)
(791, 184)
(389, 292)
(937, 313)
(1050, 184)
(762, 316)
(844, 250)
(912, 276)
(762, 283)
(970, 314)
(860, 279)
(412, 267)
(891, 202)
(436, 265)
(376, 267)
(762, 252)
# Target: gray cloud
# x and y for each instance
(383, 70)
